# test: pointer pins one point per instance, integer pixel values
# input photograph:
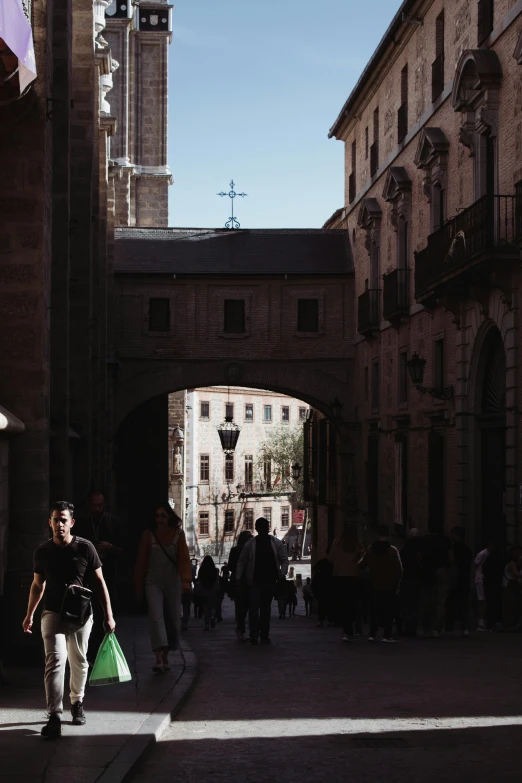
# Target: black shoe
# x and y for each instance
(78, 715)
(53, 728)
(254, 640)
(266, 640)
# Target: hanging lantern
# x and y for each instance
(416, 369)
(228, 435)
(296, 471)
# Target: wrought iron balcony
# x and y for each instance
(374, 158)
(481, 240)
(396, 295)
(402, 122)
(437, 77)
(368, 312)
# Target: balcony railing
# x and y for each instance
(402, 122)
(489, 227)
(437, 77)
(396, 294)
(368, 312)
(351, 187)
(374, 158)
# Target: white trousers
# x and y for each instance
(164, 609)
(62, 642)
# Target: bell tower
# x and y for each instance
(139, 37)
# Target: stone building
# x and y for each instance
(227, 493)
(432, 134)
(82, 149)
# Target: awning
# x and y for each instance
(17, 33)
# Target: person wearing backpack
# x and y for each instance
(163, 569)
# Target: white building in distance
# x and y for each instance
(225, 494)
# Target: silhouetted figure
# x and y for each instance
(436, 549)
(457, 603)
(208, 590)
(263, 561)
(384, 565)
(238, 590)
(345, 555)
(323, 590)
(411, 582)
(308, 596)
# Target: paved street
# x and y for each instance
(119, 722)
(310, 708)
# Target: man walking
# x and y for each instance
(384, 565)
(263, 561)
(64, 560)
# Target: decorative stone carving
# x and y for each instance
(397, 192)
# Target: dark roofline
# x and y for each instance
(386, 40)
(227, 231)
(176, 275)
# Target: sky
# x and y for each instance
(254, 87)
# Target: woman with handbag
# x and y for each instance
(162, 570)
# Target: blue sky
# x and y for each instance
(254, 87)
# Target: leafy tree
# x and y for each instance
(283, 447)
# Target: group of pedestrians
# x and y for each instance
(426, 584)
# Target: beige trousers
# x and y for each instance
(62, 642)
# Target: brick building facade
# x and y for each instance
(432, 133)
(81, 150)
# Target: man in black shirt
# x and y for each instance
(61, 561)
(263, 561)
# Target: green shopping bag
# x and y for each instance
(110, 665)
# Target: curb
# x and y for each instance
(153, 728)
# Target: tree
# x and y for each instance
(282, 448)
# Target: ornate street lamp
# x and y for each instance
(228, 435)
(416, 366)
(296, 471)
(337, 408)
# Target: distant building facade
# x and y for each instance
(227, 493)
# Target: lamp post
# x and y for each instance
(416, 366)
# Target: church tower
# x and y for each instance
(139, 37)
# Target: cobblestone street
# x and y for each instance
(310, 708)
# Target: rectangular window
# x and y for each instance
(229, 467)
(249, 412)
(203, 523)
(204, 468)
(229, 410)
(307, 315)
(374, 149)
(267, 513)
(402, 115)
(159, 315)
(366, 383)
(403, 376)
(229, 522)
(485, 19)
(285, 516)
(366, 142)
(267, 473)
(285, 414)
(267, 413)
(437, 68)
(249, 472)
(352, 183)
(302, 414)
(438, 364)
(204, 410)
(249, 519)
(234, 316)
(375, 386)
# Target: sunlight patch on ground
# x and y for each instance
(313, 727)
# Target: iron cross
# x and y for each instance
(232, 222)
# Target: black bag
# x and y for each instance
(76, 605)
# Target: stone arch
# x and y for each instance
(477, 73)
(311, 384)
